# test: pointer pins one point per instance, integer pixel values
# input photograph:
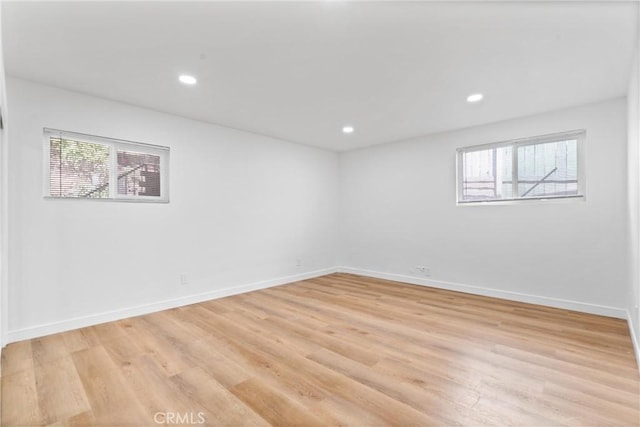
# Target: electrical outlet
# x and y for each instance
(184, 280)
(425, 271)
(298, 262)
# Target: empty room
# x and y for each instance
(319, 213)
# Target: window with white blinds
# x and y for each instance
(82, 166)
(543, 167)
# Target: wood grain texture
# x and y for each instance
(335, 350)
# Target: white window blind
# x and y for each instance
(541, 167)
(90, 167)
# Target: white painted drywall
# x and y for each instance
(398, 210)
(244, 208)
(633, 147)
(3, 197)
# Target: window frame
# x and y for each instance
(114, 145)
(579, 135)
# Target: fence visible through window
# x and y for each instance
(541, 167)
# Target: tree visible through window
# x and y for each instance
(78, 168)
(82, 166)
(541, 167)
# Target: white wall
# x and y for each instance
(398, 211)
(633, 147)
(3, 197)
(243, 209)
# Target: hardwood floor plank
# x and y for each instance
(262, 361)
(217, 404)
(421, 398)
(48, 349)
(273, 406)
(84, 419)
(112, 401)
(80, 339)
(122, 350)
(225, 369)
(350, 414)
(591, 407)
(168, 351)
(147, 381)
(60, 391)
(20, 399)
(620, 382)
(17, 357)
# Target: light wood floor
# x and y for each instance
(336, 350)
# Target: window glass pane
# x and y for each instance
(487, 174)
(548, 170)
(88, 166)
(78, 169)
(138, 174)
(537, 167)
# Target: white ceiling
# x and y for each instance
(300, 71)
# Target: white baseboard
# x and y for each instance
(84, 321)
(110, 316)
(634, 339)
(496, 293)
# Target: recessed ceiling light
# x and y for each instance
(188, 80)
(476, 97)
(347, 129)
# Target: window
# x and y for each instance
(533, 168)
(91, 167)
